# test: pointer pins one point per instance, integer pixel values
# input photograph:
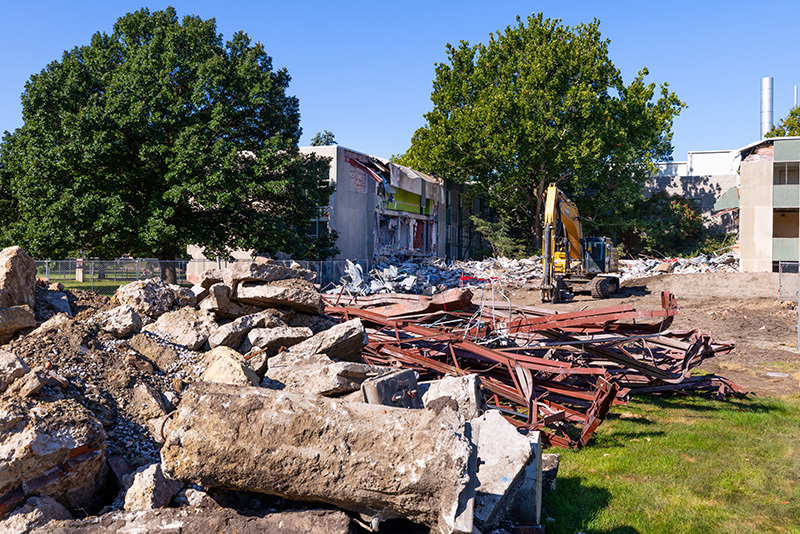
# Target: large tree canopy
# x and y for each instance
(542, 103)
(789, 125)
(156, 137)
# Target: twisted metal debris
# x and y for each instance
(555, 372)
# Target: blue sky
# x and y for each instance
(363, 70)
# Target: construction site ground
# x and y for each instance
(742, 307)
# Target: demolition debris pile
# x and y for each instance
(230, 404)
(429, 276)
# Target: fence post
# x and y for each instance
(137, 268)
(91, 274)
(47, 269)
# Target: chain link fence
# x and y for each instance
(104, 277)
(788, 280)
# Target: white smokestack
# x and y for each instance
(766, 105)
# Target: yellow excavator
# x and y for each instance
(573, 263)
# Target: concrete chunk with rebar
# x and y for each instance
(376, 460)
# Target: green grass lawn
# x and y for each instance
(684, 465)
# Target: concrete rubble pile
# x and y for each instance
(235, 405)
(428, 276)
(640, 268)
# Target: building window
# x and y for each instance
(786, 173)
(785, 223)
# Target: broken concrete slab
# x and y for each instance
(30, 383)
(153, 297)
(319, 449)
(244, 271)
(503, 455)
(56, 301)
(56, 322)
(17, 278)
(527, 504)
(150, 489)
(396, 388)
(56, 450)
(260, 344)
(272, 340)
(120, 322)
(226, 366)
(36, 512)
(218, 301)
(465, 390)
(343, 342)
(316, 374)
(293, 293)
(15, 319)
(11, 368)
(231, 334)
(187, 327)
(185, 520)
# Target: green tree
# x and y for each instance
(156, 137)
(668, 225)
(789, 125)
(323, 138)
(542, 103)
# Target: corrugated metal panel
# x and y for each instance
(787, 150)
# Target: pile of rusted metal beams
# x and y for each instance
(555, 372)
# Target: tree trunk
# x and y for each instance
(167, 264)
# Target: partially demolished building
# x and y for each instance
(383, 209)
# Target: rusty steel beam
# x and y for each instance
(552, 369)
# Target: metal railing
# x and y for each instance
(105, 276)
(788, 282)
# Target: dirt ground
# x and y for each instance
(766, 361)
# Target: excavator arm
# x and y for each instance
(562, 240)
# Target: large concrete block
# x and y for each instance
(396, 388)
(150, 489)
(244, 271)
(319, 375)
(503, 456)
(186, 327)
(465, 390)
(120, 322)
(231, 334)
(153, 297)
(344, 342)
(293, 293)
(527, 505)
(226, 366)
(380, 461)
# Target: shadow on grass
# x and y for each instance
(638, 420)
(700, 403)
(573, 505)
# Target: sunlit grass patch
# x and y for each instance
(684, 464)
